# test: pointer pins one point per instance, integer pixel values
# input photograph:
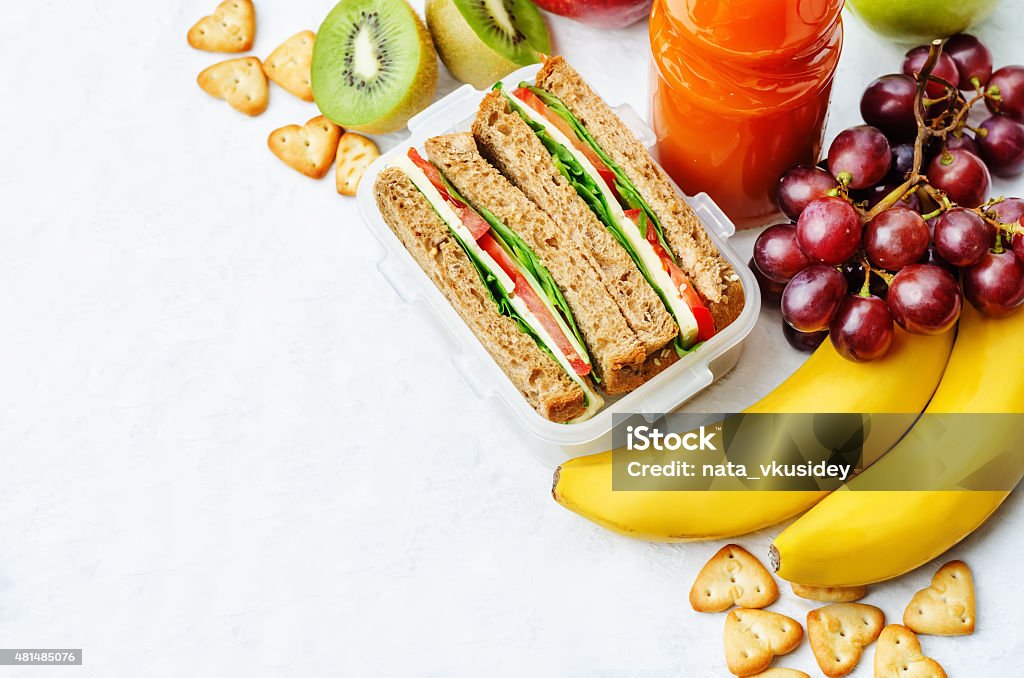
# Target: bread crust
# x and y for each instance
(511, 146)
(617, 354)
(712, 276)
(540, 379)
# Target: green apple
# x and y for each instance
(921, 20)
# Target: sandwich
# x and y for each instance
(563, 146)
(495, 282)
(618, 357)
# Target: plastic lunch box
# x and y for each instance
(664, 393)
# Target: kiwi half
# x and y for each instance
(374, 65)
(481, 41)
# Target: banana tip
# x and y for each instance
(554, 483)
(774, 558)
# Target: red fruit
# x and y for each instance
(1002, 146)
(896, 238)
(945, 68)
(863, 153)
(972, 59)
(995, 285)
(925, 299)
(961, 175)
(888, 104)
(829, 230)
(862, 329)
(961, 237)
(600, 13)
(1009, 81)
(778, 255)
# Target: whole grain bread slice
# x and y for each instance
(538, 377)
(715, 280)
(511, 146)
(617, 354)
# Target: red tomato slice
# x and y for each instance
(534, 102)
(475, 223)
(533, 302)
(705, 321)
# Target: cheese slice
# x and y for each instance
(658, 276)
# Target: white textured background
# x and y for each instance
(228, 450)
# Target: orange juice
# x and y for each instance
(740, 93)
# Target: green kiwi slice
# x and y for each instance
(374, 65)
(481, 41)
(512, 28)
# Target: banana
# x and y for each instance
(901, 382)
(863, 534)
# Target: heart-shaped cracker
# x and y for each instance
(733, 577)
(830, 594)
(782, 673)
(289, 64)
(231, 28)
(946, 608)
(240, 82)
(754, 637)
(355, 153)
(839, 633)
(898, 655)
(309, 149)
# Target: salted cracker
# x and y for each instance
(733, 577)
(355, 153)
(898, 655)
(240, 82)
(309, 149)
(289, 65)
(839, 633)
(947, 607)
(754, 637)
(231, 28)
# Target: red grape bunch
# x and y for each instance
(896, 226)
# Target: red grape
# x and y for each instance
(862, 329)
(965, 142)
(799, 186)
(812, 297)
(896, 238)
(972, 59)
(888, 104)
(1018, 245)
(1002, 146)
(829, 230)
(1009, 81)
(925, 299)
(961, 237)
(803, 341)
(945, 68)
(777, 253)
(861, 152)
(961, 175)
(771, 291)
(995, 285)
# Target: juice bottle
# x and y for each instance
(740, 92)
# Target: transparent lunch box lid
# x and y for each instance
(664, 393)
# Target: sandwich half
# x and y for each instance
(618, 356)
(560, 135)
(502, 293)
